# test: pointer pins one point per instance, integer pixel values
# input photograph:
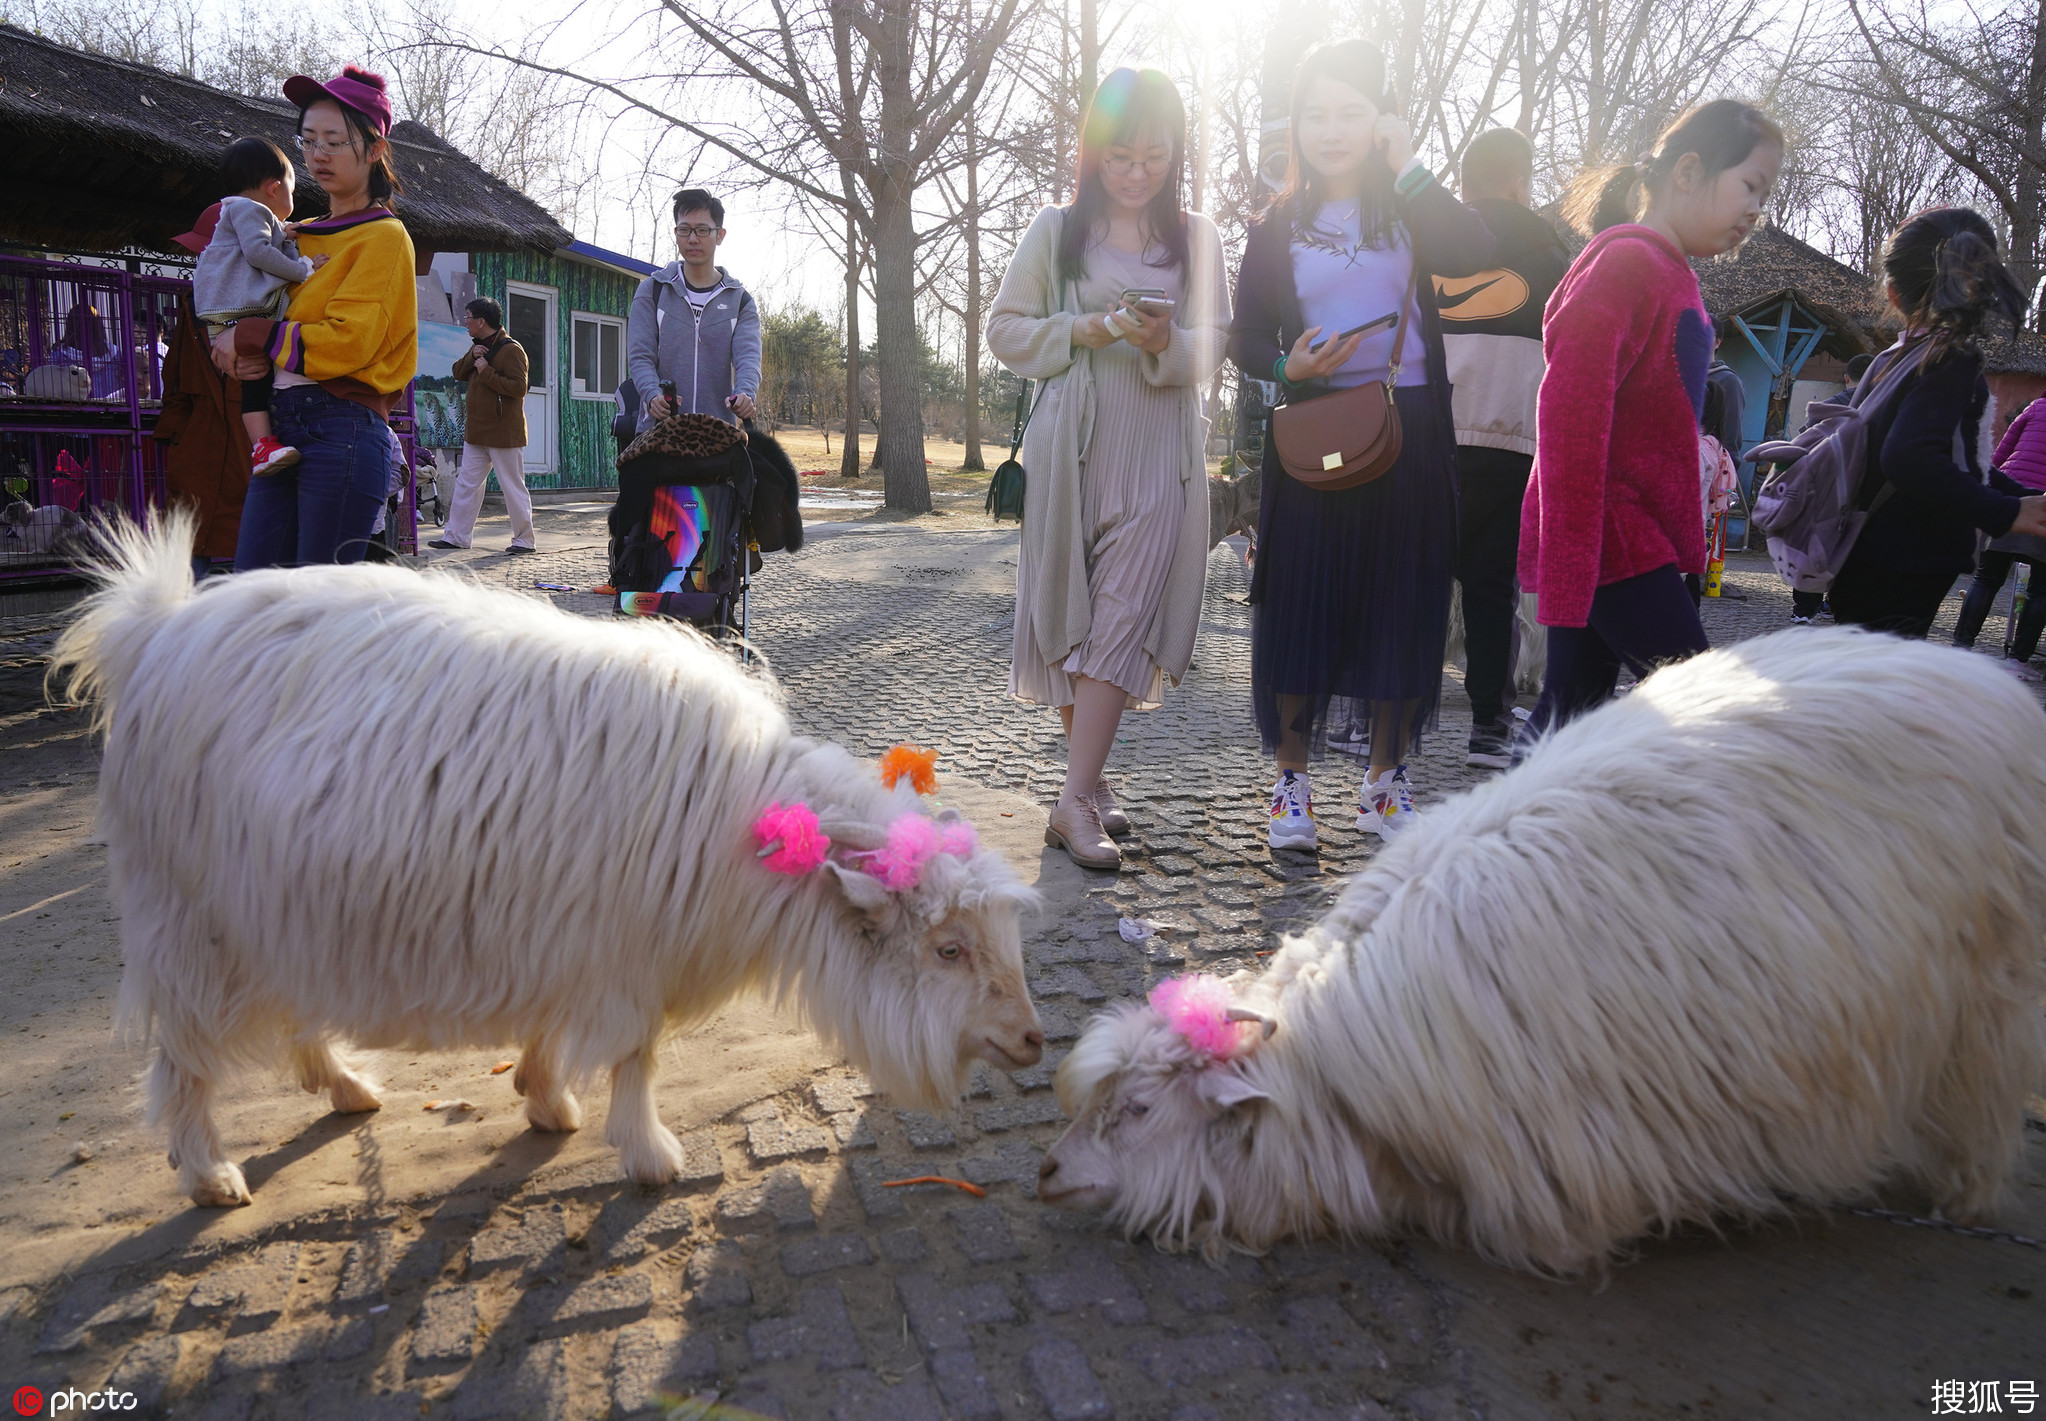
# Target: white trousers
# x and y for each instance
(477, 462)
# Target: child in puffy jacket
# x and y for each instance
(248, 268)
(2021, 456)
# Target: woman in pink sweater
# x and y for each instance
(1610, 523)
(2021, 454)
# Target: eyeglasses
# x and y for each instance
(701, 234)
(1123, 167)
(309, 145)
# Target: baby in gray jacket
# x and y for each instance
(247, 268)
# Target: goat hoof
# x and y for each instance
(224, 1188)
(655, 1160)
(558, 1116)
(354, 1098)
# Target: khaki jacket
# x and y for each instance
(496, 413)
(1030, 330)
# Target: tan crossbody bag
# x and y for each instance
(1345, 438)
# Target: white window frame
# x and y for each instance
(617, 323)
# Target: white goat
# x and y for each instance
(1769, 926)
(591, 790)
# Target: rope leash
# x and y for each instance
(1942, 1225)
(1918, 1221)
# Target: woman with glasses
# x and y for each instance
(1350, 596)
(347, 347)
(1119, 305)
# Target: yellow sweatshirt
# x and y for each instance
(354, 324)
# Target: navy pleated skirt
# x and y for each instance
(1353, 594)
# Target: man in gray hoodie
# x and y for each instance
(694, 326)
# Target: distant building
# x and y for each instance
(1802, 316)
(568, 309)
(1799, 316)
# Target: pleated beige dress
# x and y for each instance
(1133, 498)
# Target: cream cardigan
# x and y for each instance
(1030, 330)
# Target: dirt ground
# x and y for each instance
(1829, 1316)
(82, 1163)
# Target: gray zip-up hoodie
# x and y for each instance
(709, 360)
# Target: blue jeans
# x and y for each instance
(319, 510)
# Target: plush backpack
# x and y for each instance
(1812, 508)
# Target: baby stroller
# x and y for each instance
(699, 501)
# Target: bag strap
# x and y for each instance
(1399, 348)
(1024, 417)
(1910, 360)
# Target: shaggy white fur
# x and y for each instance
(593, 883)
(1770, 925)
(1530, 642)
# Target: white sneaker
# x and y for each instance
(1387, 808)
(2020, 669)
(1292, 813)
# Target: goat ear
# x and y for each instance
(864, 891)
(1224, 1087)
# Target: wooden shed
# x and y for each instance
(99, 155)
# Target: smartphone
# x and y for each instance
(1389, 320)
(1151, 300)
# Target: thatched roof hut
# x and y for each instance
(100, 155)
(1772, 266)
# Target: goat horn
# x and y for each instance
(1265, 1023)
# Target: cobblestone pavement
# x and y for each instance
(782, 1277)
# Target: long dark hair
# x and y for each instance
(1949, 277)
(383, 178)
(1130, 104)
(1722, 133)
(1360, 64)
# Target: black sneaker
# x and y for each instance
(1491, 744)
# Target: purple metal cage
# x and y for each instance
(82, 348)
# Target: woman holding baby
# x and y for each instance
(346, 348)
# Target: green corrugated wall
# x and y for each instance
(585, 455)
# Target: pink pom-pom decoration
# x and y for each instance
(958, 839)
(912, 839)
(1197, 1007)
(789, 839)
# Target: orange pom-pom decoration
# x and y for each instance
(919, 765)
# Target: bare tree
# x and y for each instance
(1974, 85)
(874, 88)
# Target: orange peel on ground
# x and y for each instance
(974, 1189)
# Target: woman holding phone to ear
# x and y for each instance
(1350, 593)
(1114, 554)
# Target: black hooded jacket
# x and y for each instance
(1492, 328)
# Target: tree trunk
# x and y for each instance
(1090, 54)
(849, 462)
(905, 484)
(975, 461)
(2031, 145)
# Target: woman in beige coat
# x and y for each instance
(1115, 510)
